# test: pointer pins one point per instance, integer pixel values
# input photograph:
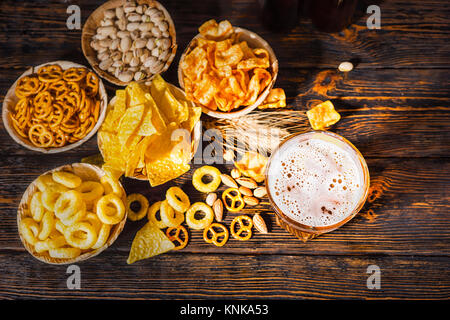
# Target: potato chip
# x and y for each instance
(275, 99)
(253, 165)
(229, 57)
(213, 31)
(148, 242)
(260, 79)
(260, 59)
(323, 115)
(194, 64)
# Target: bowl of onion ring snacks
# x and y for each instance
(150, 132)
(227, 70)
(71, 214)
(54, 107)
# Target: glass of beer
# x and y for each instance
(316, 182)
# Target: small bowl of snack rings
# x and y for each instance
(227, 70)
(128, 40)
(54, 107)
(71, 214)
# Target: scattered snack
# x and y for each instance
(228, 181)
(199, 223)
(211, 198)
(323, 115)
(218, 209)
(148, 242)
(200, 173)
(143, 206)
(259, 223)
(260, 192)
(169, 216)
(177, 199)
(147, 132)
(252, 165)
(179, 235)
(69, 216)
(218, 238)
(221, 72)
(244, 231)
(275, 99)
(56, 107)
(345, 66)
(134, 41)
(152, 215)
(251, 201)
(232, 199)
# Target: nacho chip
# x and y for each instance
(323, 115)
(149, 242)
(252, 165)
(129, 123)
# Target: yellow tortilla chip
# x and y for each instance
(129, 123)
(158, 120)
(149, 242)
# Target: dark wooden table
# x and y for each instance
(394, 107)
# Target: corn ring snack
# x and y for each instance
(76, 217)
(49, 197)
(232, 199)
(29, 229)
(68, 204)
(103, 236)
(64, 253)
(90, 190)
(36, 208)
(179, 235)
(244, 232)
(177, 199)
(151, 216)
(110, 185)
(218, 238)
(46, 226)
(67, 179)
(108, 215)
(169, 216)
(197, 179)
(93, 219)
(81, 235)
(48, 244)
(199, 223)
(143, 202)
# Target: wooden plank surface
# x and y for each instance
(394, 107)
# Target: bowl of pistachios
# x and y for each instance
(129, 40)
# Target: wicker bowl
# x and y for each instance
(254, 41)
(11, 100)
(93, 22)
(85, 172)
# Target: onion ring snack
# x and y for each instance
(199, 223)
(177, 199)
(104, 212)
(200, 173)
(151, 216)
(143, 203)
(169, 216)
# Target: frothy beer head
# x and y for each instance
(317, 179)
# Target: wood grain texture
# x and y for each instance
(394, 106)
(212, 276)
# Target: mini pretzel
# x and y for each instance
(243, 228)
(50, 73)
(215, 236)
(174, 235)
(27, 86)
(233, 200)
(74, 74)
(91, 84)
(40, 136)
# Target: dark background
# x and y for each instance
(394, 107)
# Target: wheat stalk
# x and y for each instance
(259, 131)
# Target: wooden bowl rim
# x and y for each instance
(26, 198)
(241, 111)
(86, 37)
(10, 101)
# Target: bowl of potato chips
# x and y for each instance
(54, 107)
(71, 213)
(227, 70)
(150, 132)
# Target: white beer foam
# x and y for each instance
(315, 182)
